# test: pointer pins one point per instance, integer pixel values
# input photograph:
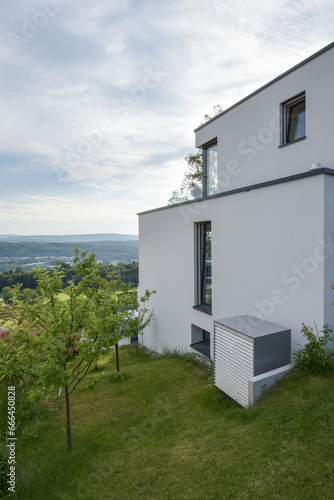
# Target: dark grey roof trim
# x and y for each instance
(303, 175)
(305, 61)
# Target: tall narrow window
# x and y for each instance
(293, 119)
(203, 267)
(210, 169)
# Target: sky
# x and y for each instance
(99, 99)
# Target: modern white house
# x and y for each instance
(259, 243)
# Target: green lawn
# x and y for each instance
(165, 432)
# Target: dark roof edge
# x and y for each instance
(305, 61)
(281, 180)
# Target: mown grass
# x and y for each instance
(163, 431)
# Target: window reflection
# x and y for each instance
(293, 114)
(206, 284)
(296, 121)
(210, 174)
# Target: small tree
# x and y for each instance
(46, 345)
(134, 315)
(57, 335)
(138, 316)
(118, 309)
(216, 110)
(192, 183)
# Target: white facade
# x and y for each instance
(272, 219)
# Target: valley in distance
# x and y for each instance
(45, 250)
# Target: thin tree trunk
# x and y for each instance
(117, 357)
(36, 411)
(68, 419)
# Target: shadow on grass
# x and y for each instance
(217, 402)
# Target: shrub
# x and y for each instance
(117, 377)
(315, 355)
(4, 470)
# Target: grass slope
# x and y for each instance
(165, 432)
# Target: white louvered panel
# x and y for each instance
(235, 389)
(229, 366)
(233, 364)
(234, 353)
(235, 350)
(240, 357)
(231, 343)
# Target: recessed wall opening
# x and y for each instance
(200, 340)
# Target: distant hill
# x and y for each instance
(29, 251)
(68, 238)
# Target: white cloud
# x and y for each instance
(49, 212)
(151, 70)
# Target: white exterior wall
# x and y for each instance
(241, 163)
(166, 265)
(268, 255)
(329, 251)
(266, 260)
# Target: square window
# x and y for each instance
(293, 114)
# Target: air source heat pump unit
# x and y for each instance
(250, 355)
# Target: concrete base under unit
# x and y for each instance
(259, 385)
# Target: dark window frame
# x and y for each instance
(203, 267)
(206, 149)
(288, 119)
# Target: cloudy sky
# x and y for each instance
(99, 98)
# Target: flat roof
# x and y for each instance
(305, 61)
(251, 326)
(281, 180)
